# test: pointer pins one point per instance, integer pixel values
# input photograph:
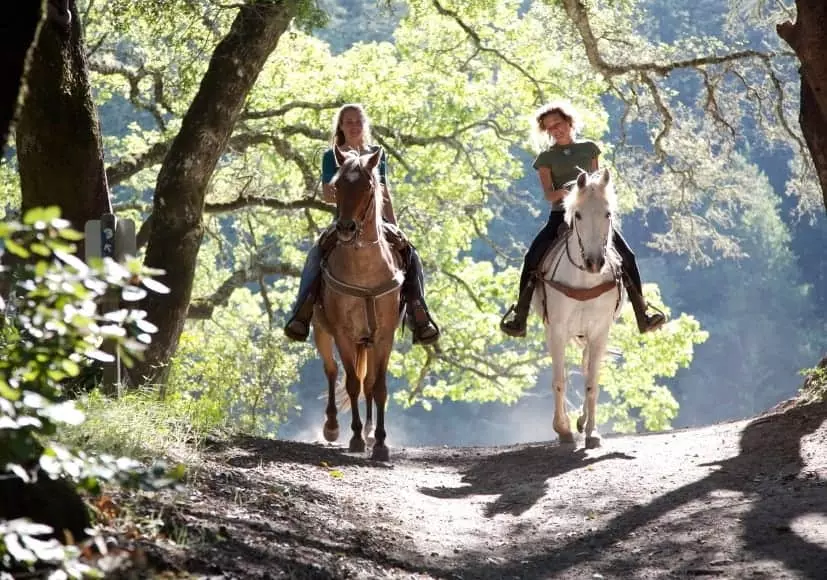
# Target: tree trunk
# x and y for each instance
(808, 39)
(17, 31)
(178, 207)
(58, 136)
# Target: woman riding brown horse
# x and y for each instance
(351, 132)
(358, 310)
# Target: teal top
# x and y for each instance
(566, 162)
(329, 166)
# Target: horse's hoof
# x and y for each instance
(357, 445)
(331, 434)
(593, 442)
(566, 438)
(581, 420)
(380, 453)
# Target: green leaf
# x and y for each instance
(16, 550)
(41, 214)
(70, 234)
(40, 249)
(16, 249)
(8, 392)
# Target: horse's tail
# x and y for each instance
(361, 365)
(342, 398)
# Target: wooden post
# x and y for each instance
(110, 237)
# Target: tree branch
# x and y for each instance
(477, 41)
(203, 308)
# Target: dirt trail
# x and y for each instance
(736, 500)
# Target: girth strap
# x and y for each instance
(583, 294)
(369, 294)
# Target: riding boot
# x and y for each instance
(298, 325)
(515, 319)
(424, 329)
(645, 322)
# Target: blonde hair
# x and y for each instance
(539, 136)
(337, 136)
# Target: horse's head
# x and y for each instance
(590, 209)
(358, 196)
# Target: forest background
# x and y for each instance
(714, 189)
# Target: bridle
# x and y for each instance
(580, 294)
(582, 265)
(360, 222)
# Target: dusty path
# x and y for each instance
(736, 500)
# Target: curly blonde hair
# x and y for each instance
(565, 109)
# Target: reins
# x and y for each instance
(579, 294)
(368, 294)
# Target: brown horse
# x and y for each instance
(359, 306)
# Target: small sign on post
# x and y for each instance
(110, 237)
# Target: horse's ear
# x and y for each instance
(373, 159)
(339, 155)
(581, 180)
(606, 177)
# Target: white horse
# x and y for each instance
(581, 295)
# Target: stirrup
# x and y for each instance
(428, 338)
(654, 321)
(510, 326)
(417, 328)
(298, 334)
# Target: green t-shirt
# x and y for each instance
(566, 163)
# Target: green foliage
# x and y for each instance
(638, 402)
(52, 331)
(234, 372)
(20, 545)
(815, 382)
(454, 120)
(138, 424)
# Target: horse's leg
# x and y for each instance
(557, 348)
(367, 390)
(597, 348)
(380, 395)
(324, 344)
(354, 387)
(368, 431)
(584, 364)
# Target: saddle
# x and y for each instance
(399, 244)
(393, 235)
(581, 294)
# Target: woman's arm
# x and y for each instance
(328, 173)
(552, 195)
(387, 206)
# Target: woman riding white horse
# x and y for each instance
(580, 295)
(557, 167)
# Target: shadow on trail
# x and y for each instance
(258, 451)
(518, 477)
(768, 466)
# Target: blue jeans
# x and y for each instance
(413, 288)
